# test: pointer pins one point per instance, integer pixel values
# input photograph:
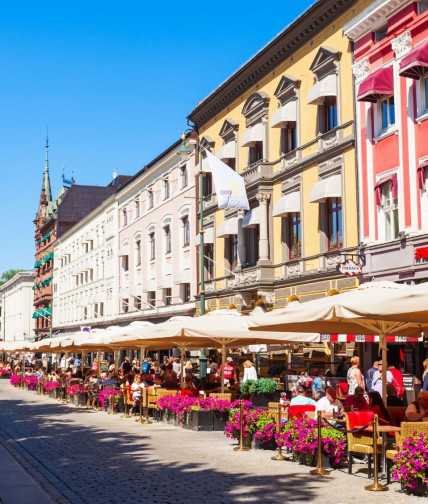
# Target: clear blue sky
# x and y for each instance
(114, 82)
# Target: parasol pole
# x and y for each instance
(223, 363)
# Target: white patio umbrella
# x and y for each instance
(383, 308)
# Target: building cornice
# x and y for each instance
(283, 46)
(373, 17)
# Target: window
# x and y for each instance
(151, 299)
(387, 112)
(288, 138)
(334, 223)
(424, 92)
(294, 235)
(125, 305)
(138, 253)
(167, 231)
(209, 261)
(125, 263)
(167, 296)
(166, 189)
(100, 307)
(381, 33)
(186, 231)
(150, 198)
(124, 217)
(152, 245)
(185, 292)
(184, 175)
(256, 152)
(423, 6)
(328, 114)
(232, 251)
(207, 184)
(390, 210)
(137, 303)
(136, 209)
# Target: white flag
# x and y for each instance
(229, 185)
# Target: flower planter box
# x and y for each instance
(219, 420)
(259, 445)
(263, 399)
(53, 393)
(200, 421)
(420, 490)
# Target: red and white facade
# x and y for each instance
(391, 87)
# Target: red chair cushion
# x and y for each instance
(299, 411)
(359, 418)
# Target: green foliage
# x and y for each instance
(262, 386)
(7, 275)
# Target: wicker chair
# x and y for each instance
(360, 442)
(155, 395)
(273, 411)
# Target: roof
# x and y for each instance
(295, 35)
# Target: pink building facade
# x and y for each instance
(157, 240)
(391, 86)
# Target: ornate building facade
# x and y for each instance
(285, 122)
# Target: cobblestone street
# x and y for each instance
(78, 456)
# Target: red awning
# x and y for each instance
(422, 175)
(415, 63)
(376, 85)
(378, 187)
(362, 338)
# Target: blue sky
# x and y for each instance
(114, 82)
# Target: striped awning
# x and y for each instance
(365, 338)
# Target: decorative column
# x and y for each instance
(263, 199)
(242, 255)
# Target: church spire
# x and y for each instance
(46, 187)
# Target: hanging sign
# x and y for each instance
(350, 268)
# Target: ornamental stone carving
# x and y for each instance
(361, 69)
(293, 269)
(402, 44)
(263, 197)
(268, 296)
(333, 260)
(209, 286)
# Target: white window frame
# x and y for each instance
(391, 127)
(388, 209)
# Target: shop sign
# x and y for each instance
(421, 253)
(350, 268)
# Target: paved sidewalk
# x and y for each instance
(78, 457)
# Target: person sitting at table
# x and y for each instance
(357, 401)
(391, 396)
(378, 407)
(169, 382)
(417, 411)
(189, 386)
(213, 384)
(301, 399)
(329, 405)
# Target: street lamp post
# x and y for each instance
(184, 153)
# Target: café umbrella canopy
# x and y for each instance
(221, 328)
(383, 308)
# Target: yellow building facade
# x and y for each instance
(285, 122)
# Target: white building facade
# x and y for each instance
(85, 271)
(158, 239)
(17, 321)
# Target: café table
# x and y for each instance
(382, 429)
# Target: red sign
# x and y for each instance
(350, 268)
(421, 253)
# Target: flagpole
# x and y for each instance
(184, 153)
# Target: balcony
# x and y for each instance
(257, 171)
